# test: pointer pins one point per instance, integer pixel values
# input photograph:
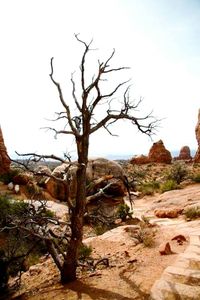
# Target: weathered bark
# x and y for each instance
(54, 255)
(68, 272)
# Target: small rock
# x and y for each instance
(132, 260)
(16, 188)
(126, 253)
(173, 212)
(179, 238)
(165, 249)
(10, 186)
(118, 221)
(34, 270)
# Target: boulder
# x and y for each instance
(172, 212)
(184, 154)
(179, 238)
(60, 170)
(56, 189)
(4, 158)
(159, 154)
(100, 172)
(165, 249)
(43, 170)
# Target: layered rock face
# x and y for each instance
(197, 133)
(4, 158)
(158, 154)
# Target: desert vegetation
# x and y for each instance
(33, 231)
(98, 195)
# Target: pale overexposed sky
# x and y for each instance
(157, 39)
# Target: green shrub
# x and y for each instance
(192, 212)
(101, 228)
(14, 243)
(146, 237)
(149, 188)
(145, 220)
(168, 186)
(178, 172)
(85, 252)
(8, 177)
(10, 209)
(123, 212)
(196, 178)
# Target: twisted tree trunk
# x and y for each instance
(68, 272)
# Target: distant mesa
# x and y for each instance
(4, 158)
(157, 154)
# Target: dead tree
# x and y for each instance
(81, 125)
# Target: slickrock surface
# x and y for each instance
(182, 279)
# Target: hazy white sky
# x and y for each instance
(158, 39)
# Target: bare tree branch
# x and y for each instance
(40, 157)
(74, 93)
(82, 67)
(74, 130)
(57, 132)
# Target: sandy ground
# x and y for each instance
(132, 272)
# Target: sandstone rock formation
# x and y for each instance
(197, 156)
(99, 171)
(172, 212)
(197, 129)
(158, 154)
(184, 154)
(165, 249)
(4, 158)
(140, 160)
(197, 133)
